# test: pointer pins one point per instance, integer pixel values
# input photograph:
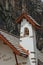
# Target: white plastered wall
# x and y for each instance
(6, 55)
(28, 42)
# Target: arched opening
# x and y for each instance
(26, 31)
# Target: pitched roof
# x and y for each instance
(13, 43)
(29, 19)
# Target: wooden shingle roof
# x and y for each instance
(13, 43)
(29, 19)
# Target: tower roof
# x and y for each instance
(29, 19)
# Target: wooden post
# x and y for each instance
(16, 59)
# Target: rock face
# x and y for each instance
(11, 9)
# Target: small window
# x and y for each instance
(26, 31)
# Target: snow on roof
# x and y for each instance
(14, 41)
